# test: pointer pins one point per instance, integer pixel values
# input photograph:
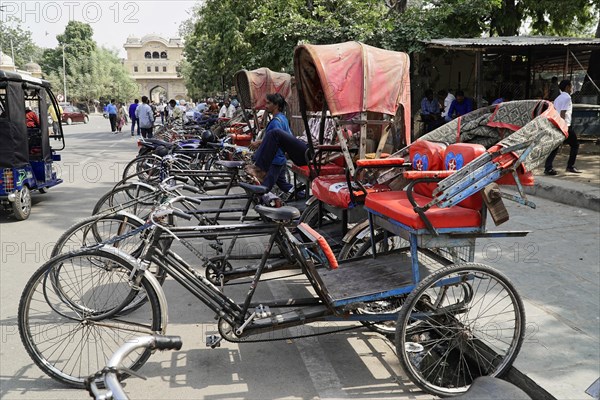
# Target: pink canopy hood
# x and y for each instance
(353, 77)
(253, 86)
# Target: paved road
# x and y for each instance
(556, 269)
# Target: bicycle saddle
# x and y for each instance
(284, 213)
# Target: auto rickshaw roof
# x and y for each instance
(17, 77)
(253, 86)
(353, 77)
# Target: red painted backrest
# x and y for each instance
(426, 156)
(457, 156)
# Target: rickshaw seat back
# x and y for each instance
(333, 190)
(458, 155)
(426, 156)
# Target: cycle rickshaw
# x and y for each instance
(456, 321)
(26, 155)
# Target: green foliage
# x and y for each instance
(92, 73)
(224, 36)
(24, 48)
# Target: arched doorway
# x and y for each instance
(158, 94)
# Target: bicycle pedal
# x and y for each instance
(262, 311)
(213, 341)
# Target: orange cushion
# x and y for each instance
(396, 206)
(458, 155)
(333, 190)
(426, 156)
(326, 169)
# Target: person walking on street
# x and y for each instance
(161, 110)
(145, 117)
(112, 115)
(133, 118)
(121, 117)
(564, 106)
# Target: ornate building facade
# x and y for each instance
(153, 63)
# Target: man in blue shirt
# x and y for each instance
(430, 111)
(112, 115)
(460, 106)
(132, 107)
(276, 172)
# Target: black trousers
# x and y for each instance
(571, 141)
(113, 122)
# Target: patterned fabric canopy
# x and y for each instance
(507, 124)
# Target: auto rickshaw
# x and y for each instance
(26, 156)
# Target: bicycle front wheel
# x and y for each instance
(72, 314)
(461, 322)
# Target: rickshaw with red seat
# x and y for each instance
(365, 92)
(252, 88)
(26, 156)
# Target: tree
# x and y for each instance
(548, 17)
(92, 73)
(12, 34)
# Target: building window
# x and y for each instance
(155, 55)
(163, 54)
(149, 68)
(156, 69)
(164, 69)
(147, 55)
(135, 68)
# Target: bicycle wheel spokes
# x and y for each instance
(461, 324)
(68, 317)
(94, 230)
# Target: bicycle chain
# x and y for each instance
(308, 335)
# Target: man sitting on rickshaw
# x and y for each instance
(31, 118)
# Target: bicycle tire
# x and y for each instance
(89, 338)
(430, 338)
(124, 198)
(96, 229)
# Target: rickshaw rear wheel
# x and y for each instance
(475, 329)
(22, 204)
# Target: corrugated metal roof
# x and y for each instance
(507, 41)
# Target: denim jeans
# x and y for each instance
(278, 139)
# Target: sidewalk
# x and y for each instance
(579, 190)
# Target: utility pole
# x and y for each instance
(64, 73)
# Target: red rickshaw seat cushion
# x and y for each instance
(333, 190)
(426, 156)
(458, 155)
(396, 206)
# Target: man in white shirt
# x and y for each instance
(564, 106)
(227, 110)
(447, 98)
(145, 116)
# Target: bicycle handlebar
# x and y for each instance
(110, 373)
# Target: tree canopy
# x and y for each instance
(92, 73)
(223, 36)
(14, 37)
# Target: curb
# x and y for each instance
(570, 193)
(526, 384)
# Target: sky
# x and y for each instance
(112, 21)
